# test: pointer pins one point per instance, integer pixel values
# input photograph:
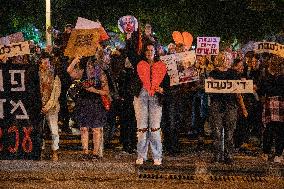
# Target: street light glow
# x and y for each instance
(48, 23)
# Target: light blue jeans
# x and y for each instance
(52, 121)
(148, 113)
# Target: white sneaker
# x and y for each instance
(139, 161)
(278, 159)
(157, 162)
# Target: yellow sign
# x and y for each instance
(82, 42)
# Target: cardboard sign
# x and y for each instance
(269, 47)
(20, 106)
(180, 67)
(83, 23)
(228, 86)
(82, 43)
(15, 49)
(207, 45)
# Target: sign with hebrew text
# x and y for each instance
(20, 107)
(228, 86)
(82, 42)
(269, 47)
(15, 49)
(207, 45)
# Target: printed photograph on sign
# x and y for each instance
(128, 24)
(82, 43)
(180, 67)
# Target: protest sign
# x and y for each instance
(128, 24)
(184, 38)
(20, 106)
(228, 86)
(83, 23)
(82, 42)
(269, 47)
(15, 49)
(180, 67)
(207, 45)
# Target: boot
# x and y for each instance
(54, 156)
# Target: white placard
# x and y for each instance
(269, 47)
(180, 67)
(207, 45)
(228, 86)
(83, 23)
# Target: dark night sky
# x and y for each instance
(245, 19)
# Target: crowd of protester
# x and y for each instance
(146, 105)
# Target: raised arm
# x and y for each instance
(73, 69)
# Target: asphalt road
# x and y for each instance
(132, 182)
(117, 170)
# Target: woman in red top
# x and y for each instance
(148, 110)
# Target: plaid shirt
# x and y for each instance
(273, 110)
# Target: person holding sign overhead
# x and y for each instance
(90, 112)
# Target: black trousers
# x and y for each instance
(273, 130)
(128, 125)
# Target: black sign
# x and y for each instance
(20, 105)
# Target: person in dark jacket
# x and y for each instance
(272, 116)
(223, 112)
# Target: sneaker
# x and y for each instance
(139, 161)
(278, 159)
(157, 162)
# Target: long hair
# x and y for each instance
(156, 57)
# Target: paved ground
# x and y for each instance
(193, 168)
(117, 170)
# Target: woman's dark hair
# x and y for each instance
(83, 62)
(236, 61)
(156, 57)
